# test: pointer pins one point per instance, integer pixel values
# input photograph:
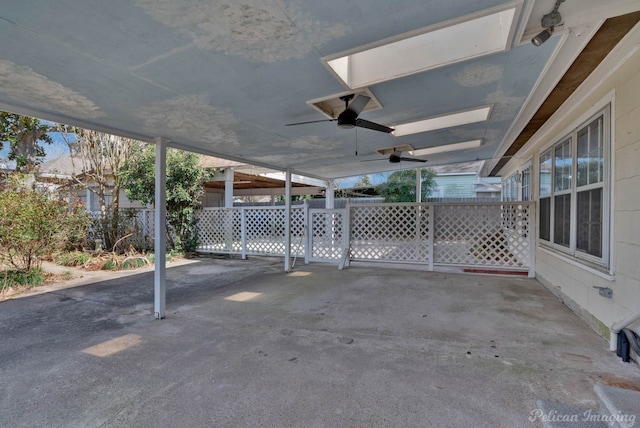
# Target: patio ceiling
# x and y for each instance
(224, 78)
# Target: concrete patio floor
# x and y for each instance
(245, 345)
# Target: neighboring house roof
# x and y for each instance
(61, 166)
(484, 187)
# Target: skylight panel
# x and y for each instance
(440, 122)
(446, 148)
(424, 50)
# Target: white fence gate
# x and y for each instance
(326, 241)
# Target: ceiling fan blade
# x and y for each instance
(358, 104)
(404, 158)
(372, 125)
(311, 121)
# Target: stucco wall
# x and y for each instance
(573, 283)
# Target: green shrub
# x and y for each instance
(135, 262)
(33, 226)
(110, 264)
(73, 258)
(12, 278)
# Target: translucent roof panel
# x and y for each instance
(426, 49)
(440, 122)
(446, 148)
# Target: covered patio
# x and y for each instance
(247, 345)
(265, 84)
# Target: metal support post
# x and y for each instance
(160, 245)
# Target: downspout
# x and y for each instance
(617, 327)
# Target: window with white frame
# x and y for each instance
(510, 188)
(574, 191)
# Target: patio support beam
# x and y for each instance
(160, 242)
(228, 188)
(287, 223)
(329, 199)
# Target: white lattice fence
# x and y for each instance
(264, 230)
(298, 231)
(462, 234)
(390, 232)
(482, 234)
(517, 228)
(327, 237)
(219, 230)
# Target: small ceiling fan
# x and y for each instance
(396, 157)
(349, 117)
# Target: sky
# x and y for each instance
(54, 150)
(345, 183)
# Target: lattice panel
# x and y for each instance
(220, 230)
(326, 234)
(265, 231)
(476, 234)
(390, 232)
(516, 223)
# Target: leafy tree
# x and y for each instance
(98, 157)
(401, 185)
(185, 179)
(25, 136)
(364, 181)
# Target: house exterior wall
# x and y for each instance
(455, 186)
(94, 205)
(572, 280)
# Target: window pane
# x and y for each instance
(563, 162)
(562, 220)
(545, 174)
(526, 179)
(545, 219)
(591, 153)
(589, 237)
